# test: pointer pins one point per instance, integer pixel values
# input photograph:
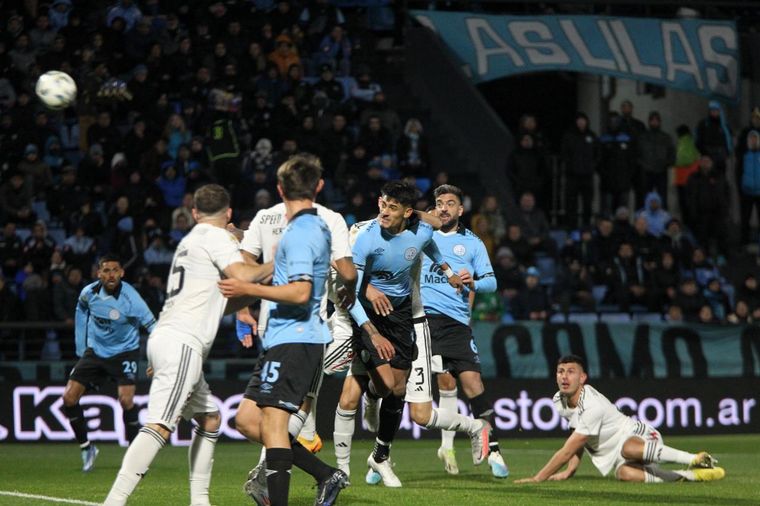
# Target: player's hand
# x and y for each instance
(149, 372)
(558, 476)
(379, 301)
(346, 298)
(456, 282)
(384, 347)
(532, 479)
(244, 332)
(233, 287)
(237, 232)
(467, 278)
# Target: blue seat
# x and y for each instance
(548, 269)
(598, 292)
(40, 209)
(647, 317)
(558, 318)
(559, 236)
(583, 317)
(615, 317)
(58, 235)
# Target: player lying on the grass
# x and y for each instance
(109, 315)
(180, 342)
(294, 340)
(614, 441)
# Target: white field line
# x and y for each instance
(47, 498)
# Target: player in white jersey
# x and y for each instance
(615, 442)
(180, 342)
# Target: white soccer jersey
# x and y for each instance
(599, 419)
(194, 305)
(263, 236)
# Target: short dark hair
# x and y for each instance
(403, 193)
(572, 359)
(449, 188)
(109, 257)
(211, 199)
(299, 176)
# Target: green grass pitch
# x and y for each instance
(54, 470)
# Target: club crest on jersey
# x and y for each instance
(460, 250)
(114, 314)
(410, 253)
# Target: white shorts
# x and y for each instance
(612, 458)
(419, 388)
(178, 388)
(340, 352)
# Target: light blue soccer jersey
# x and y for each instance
(302, 255)
(110, 324)
(386, 261)
(461, 250)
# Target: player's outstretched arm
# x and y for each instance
(431, 219)
(569, 472)
(296, 292)
(347, 273)
(252, 273)
(572, 446)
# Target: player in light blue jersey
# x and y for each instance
(294, 338)
(109, 315)
(455, 354)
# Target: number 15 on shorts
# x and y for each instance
(270, 373)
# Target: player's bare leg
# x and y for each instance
(200, 456)
(385, 379)
(73, 410)
(650, 451)
(129, 411)
(474, 390)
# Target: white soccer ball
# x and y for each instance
(57, 90)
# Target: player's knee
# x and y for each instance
(627, 473)
(348, 401)
(210, 422)
(420, 412)
(446, 382)
(247, 425)
(163, 431)
(127, 401)
(633, 449)
(399, 390)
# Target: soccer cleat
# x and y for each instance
(89, 455)
(256, 486)
(372, 478)
(703, 460)
(313, 445)
(385, 470)
(449, 458)
(709, 474)
(328, 490)
(498, 467)
(370, 413)
(479, 441)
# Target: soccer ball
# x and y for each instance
(57, 90)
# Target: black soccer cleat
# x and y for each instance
(328, 490)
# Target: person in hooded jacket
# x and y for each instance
(656, 154)
(657, 217)
(618, 168)
(750, 182)
(580, 154)
(708, 199)
(713, 136)
(527, 169)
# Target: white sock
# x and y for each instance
(344, 433)
(200, 457)
(296, 422)
(668, 454)
(136, 461)
(448, 402)
(371, 388)
(263, 455)
(655, 474)
(448, 420)
(309, 429)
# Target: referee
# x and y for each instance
(109, 315)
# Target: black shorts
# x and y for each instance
(91, 370)
(398, 328)
(284, 374)
(453, 341)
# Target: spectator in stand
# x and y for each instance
(531, 302)
(90, 220)
(176, 134)
(580, 154)
(157, 254)
(375, 138)
(180, 227)
(740, 149)
(515, 242)
(11, 249)
(328, 85)
(412, 150)
(358, 208)
(126, 10)
(16, 200)
(388, 117)
(645, 244)
(509, 277)
(676, 242)
(605, 244)
(79, 250)
(656, 154)
(714, 138)
(740, 315)
(94, 173)
(627, 280)
(335, 49)
(574, 286)
(750, 293)
(528, 124)
(709, 198)
(657, 217)
(702, 270)
(285, 55)
(10, 311)
(66, 295)
(750, 182)
(716, 299)
(489, 221)
(665, 280)
(628, 123)
(535, 226)
(584, 249)
(707, 316)
(307, 136)
(365, 89)
(38, 247)
(104, 134)
(618, 168)
(527, 170)
(36, 171)
(622, 230)
(336, 143)
(318, 17)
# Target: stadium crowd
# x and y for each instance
(174, 95)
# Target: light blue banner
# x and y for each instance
(700, 56)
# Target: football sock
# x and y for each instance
(655, 474)
(481, 408)
(308, 462)
(75, 414)
(201, 461)
(296, 423)
(279, 464)
(381, 451)
(131, 423)
(309, 429)
(391, 410)
(136, 461)
(448, 420)
(668, 454)
(344, 433)
(448, 402)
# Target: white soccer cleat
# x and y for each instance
(256, 486)
(498, 467)
(372, 478)
(370, 413)
(449, 458)
(89, 455)
(385, 470)
(479, 441)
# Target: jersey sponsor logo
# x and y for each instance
(271, 219)
(379, 251)
(436, 275)
(382, 275)
(114, 314)
(410, 253)
(459, 250)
